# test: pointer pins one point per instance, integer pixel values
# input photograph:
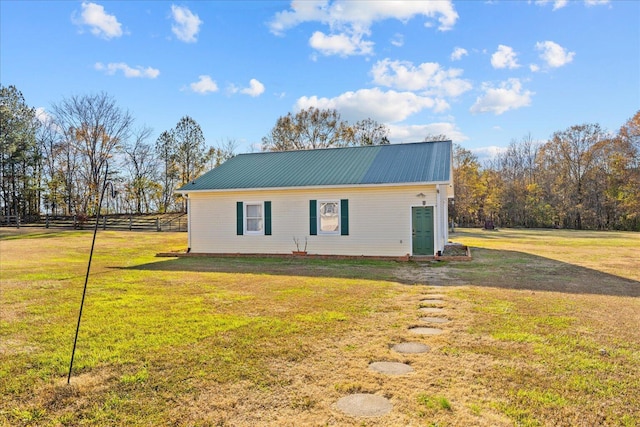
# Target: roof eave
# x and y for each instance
(310, 187)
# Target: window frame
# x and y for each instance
(319, 217)
(246, 218)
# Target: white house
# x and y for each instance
(386, 200)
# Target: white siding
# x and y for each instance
(379, 221)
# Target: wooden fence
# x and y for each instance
(176, 222)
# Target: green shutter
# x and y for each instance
(344, 217)
(313, 217)
(239, 218)
(267, 218)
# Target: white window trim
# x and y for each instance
(245, 218)
(329, 233)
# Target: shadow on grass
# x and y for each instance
(490, 268)
(523, 271)
(347, 269)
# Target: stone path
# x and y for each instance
(371, 405)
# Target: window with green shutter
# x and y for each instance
(253, 218)
(329, 217)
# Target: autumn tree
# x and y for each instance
(621, 166)
(522, 203)
(368, 132)
(569, 157)
(467, 186)
(308, 129)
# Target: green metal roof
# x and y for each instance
(380, 164)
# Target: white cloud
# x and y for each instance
(534, 68)
(397, 40)
(458, 53)
(596, 2)
(340, 44)
(129, 72)
(350, 21)
(186, 24)
(384, 107)
(415, 133)
(485, 154)
(559, 4)
(255, 88)
(553, 54)
(101, 24)
(428, 77)
(504, 57)
(204, 85)
(361, 14)
(509, 95)
(43, 116)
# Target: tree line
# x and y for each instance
(57, 164)
(581, 178)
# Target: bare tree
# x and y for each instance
(141, 163)
(221, 152)
(166, 151)
(95, 127)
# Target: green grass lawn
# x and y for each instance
(545, 331)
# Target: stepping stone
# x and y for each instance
(434, 320)
(426, 331)
(364, 405)
(432, 301)
(434, 296)
(391, 368)
(432, 310)
(411, 347)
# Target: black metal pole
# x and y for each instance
(86, 279)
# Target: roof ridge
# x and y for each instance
(342, 148)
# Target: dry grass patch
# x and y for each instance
(533, 339)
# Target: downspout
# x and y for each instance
(186, 197)
(437, 216)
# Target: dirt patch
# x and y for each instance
(430, 274)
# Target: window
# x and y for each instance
(328, 217)
(253, 218)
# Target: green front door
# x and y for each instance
(422, 224)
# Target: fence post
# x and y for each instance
(157, 224)
(18, 221)
(129, 222)
(47, 222)
(104, 222)
(75, 224)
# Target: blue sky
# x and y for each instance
(482, 73)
